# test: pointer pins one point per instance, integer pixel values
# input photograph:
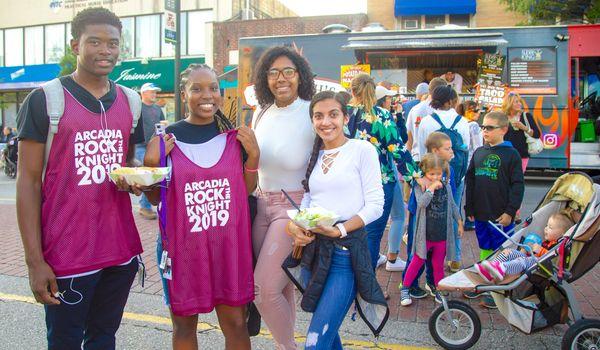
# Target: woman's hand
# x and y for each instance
(169, 143)
(517, 124)
(248, 140)
(299, 235)
(329, 231)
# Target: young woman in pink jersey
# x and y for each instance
(205, 224)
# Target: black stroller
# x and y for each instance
(9, 157)
(543, 295)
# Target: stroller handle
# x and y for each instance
(508, 234)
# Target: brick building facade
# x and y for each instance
(226, 34)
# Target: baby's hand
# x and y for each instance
(536, 248)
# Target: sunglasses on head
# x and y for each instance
(287, 73)
(490, 127)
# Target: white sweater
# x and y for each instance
(352, 186)
(285, 137)
(429, 125)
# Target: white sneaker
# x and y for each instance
(399, 265)
(382, 260)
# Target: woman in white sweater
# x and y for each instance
(343, 176)
(284, 87)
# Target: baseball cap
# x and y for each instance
(381, 91)
(422, 89)
(149, 87)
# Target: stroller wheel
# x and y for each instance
(459, 328)
(583, 335)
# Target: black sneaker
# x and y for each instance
(471, 295)
(418, 293)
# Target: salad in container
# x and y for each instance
(143, 176)
(311, 218)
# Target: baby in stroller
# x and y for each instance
(515, 261)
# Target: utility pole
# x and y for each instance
(177, 93)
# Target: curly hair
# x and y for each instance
(306, 85)
(93, 15)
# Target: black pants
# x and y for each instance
(99, 300)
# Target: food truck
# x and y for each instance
(554, 69)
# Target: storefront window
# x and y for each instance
(146, 36)
(460, 20)
(34, 45)
(55, 43)
(434, 21)
(196, 31)
(1, 48)
(127, 38)
(68, 37)
(14, 40)
(411, 22)
(168, 50)
(9, 112)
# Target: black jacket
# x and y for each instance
(517, 137)
(495, 183)
(316, 257)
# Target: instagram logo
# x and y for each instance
(550, 140)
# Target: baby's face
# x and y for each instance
(552, 231)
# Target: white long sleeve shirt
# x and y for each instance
(416, 114)
(351, 186)
(429, 125)
(285, 137)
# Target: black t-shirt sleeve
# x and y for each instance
(32, 119)
(138, 133)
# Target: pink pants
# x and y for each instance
(438, 254)
(274, 292)
(524, 162)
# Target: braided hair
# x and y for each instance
(318, 144)
(223, 124)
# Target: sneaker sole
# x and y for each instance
(482, 269)
(394, 269)
(471, 297)
(418, 296)
(406, 303)
(497, 276)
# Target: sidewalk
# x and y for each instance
(587, 289)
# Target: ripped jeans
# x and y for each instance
(334, 303)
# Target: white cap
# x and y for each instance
(381, 92)
(149, 87)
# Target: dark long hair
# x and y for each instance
(318, 144)
(441, 95)
(306, 85)
(223, 124)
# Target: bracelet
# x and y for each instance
(342, 229)
(250, 170)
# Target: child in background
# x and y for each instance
(495, 187)
(434, 232)
(513, 261)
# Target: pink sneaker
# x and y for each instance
(495, 268)
(484, 273)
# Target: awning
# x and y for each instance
(434, 7)
(426, 41)
(27, 77)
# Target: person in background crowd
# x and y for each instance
(443, 100)
(7, 134)
(427, 76)
(374, 124)
(79, 235)
(284, 87)
(453, 79)
(151, 115)
(417, 113)
(420, 92)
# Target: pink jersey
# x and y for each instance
(208, 233)
(87, 224)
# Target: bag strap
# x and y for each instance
(55, 107)
(162, 212)
(438, 120)
(456, 121)
(135, 104)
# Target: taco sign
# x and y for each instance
(348, 72)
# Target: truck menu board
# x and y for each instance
(532, 70)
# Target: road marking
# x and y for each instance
(205, 326)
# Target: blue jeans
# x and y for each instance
(398, 215)
(94, 318)
(376, 228)
(427, 267)
(337, 296)
(140, 151)
(457, 194)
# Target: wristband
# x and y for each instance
(342, 229)
(250, 170)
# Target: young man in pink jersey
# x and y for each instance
(77, 227)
